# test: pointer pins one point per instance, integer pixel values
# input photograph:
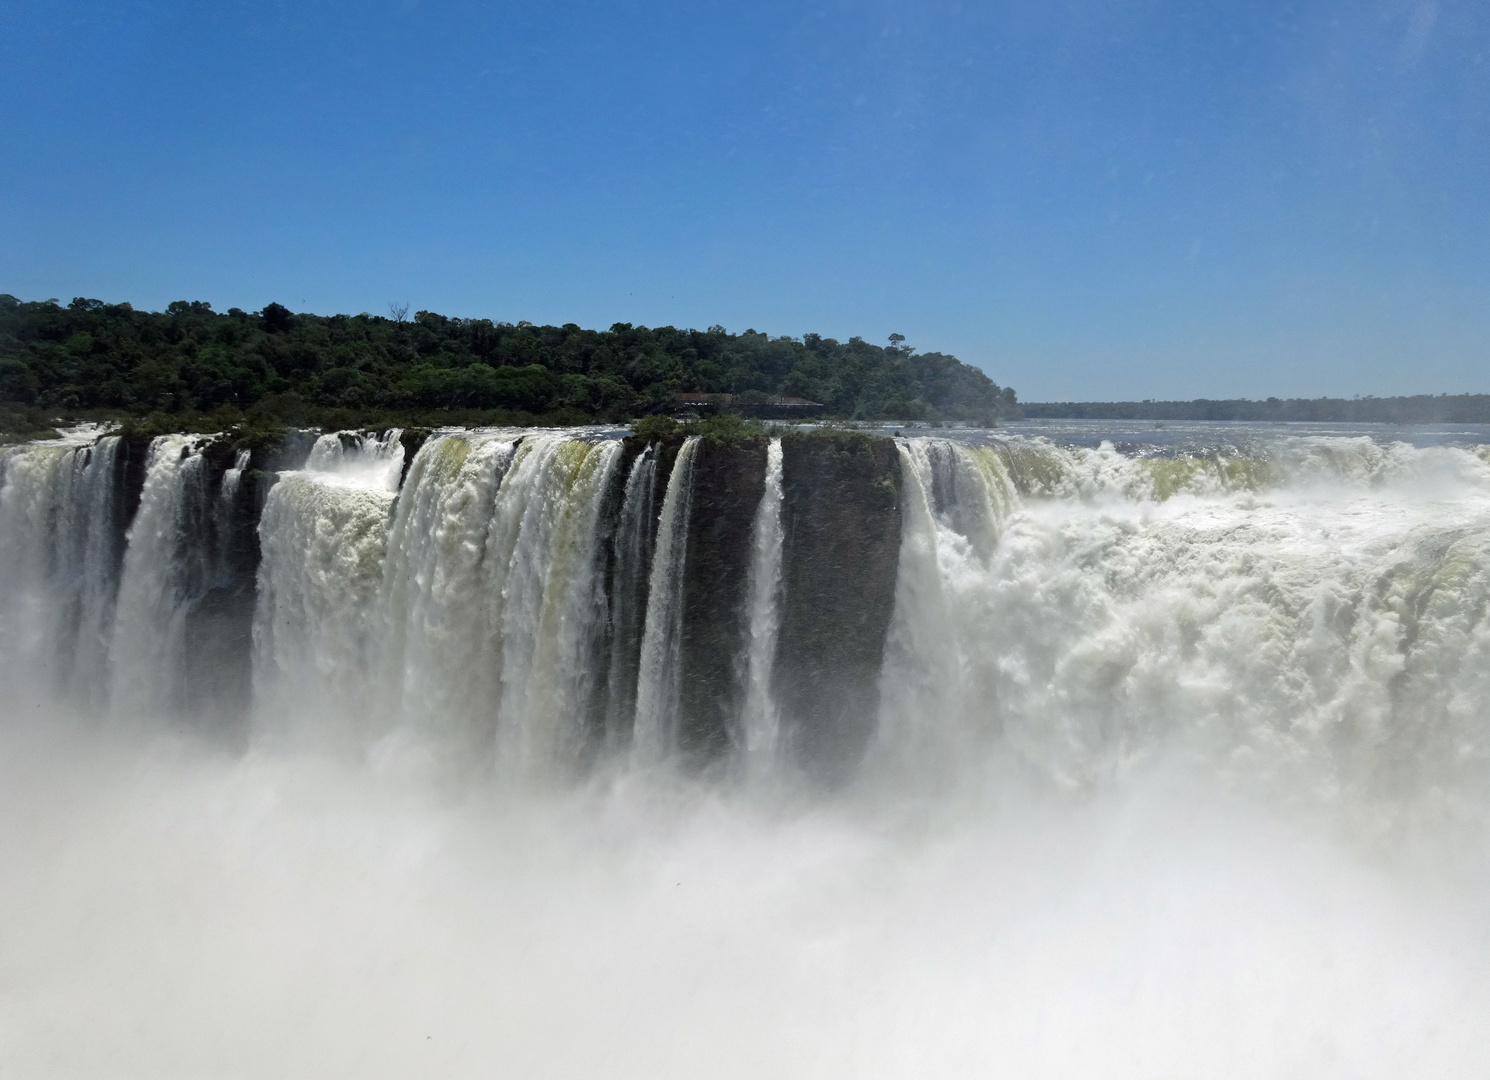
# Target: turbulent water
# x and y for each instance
(378, 756)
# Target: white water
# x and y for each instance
(551, 602)
(657, 681)
(147, 654)
(629, 595)
(359, 460)
(455, 620)
(89, 555)
(1326, 636)
(441, 661)
(316, 627)
(232, 478)
(1182, 771)
(761, 722)
(58, 560)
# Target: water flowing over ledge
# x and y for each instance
(534, 601)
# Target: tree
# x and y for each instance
(277, 318)
(95, 355)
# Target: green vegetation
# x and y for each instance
(1419, 409)
(19, 423)
(192, 367)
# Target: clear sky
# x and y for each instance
(1094, 200)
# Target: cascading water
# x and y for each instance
(359, 459)
(551, 601)
(761, 720)
(1310, 602)
(163, 571)
(1177, 759)
(232, 479)
(1292, 614)
(315, 629)
(59, 560)
(462, 611)
(440, 662)
(632, 572)
(657, 677)
(89, 550)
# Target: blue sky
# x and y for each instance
(1095, 200)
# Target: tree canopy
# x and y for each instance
(90, 355)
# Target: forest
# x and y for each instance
(90, 357)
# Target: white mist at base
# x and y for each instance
(172, 913)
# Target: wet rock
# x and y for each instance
(841, 520)
(728, 480)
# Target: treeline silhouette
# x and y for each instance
(90, 355)
(1418, 409)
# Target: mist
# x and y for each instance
(172, 911)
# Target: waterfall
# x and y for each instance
(1025, 730)
(632, 571)
(233, 477)
(59, 564)
(440, 661)
(360, 458)
(163, 570)
(924, 689)
(1311, 605)
(464, 609)
(552, 604)
(761, 721)
(91, 545)
(323, 537)
(1328, 635)
(657, 677)
(29, 479)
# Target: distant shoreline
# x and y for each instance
(1418, 409)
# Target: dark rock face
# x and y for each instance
(219, 677)
(411, 439)
(728, 480)
(223, 535)
(219, 617)
(134, 454)
(841, 519)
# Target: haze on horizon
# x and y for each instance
(1094, 200)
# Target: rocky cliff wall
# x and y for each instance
(841, 518)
